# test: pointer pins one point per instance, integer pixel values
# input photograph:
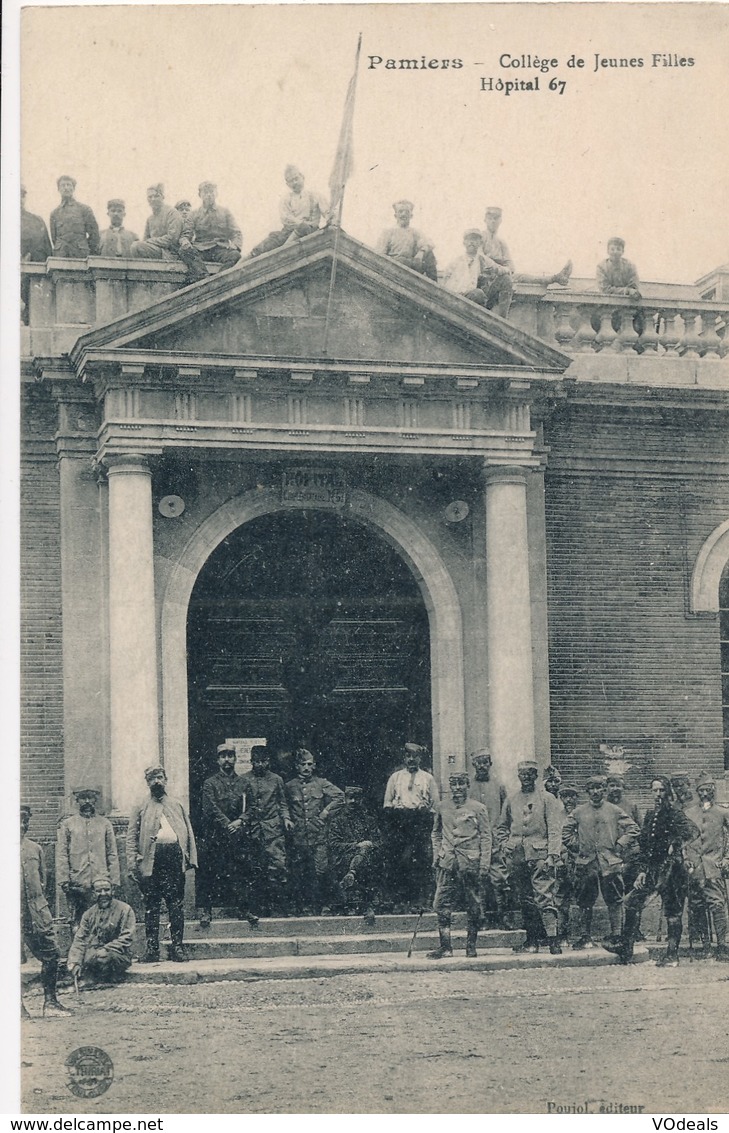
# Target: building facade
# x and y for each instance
(347, 516)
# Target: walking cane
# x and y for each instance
(75, 985)
(417, 926)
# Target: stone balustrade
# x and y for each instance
(672, 322)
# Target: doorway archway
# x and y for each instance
(390, 524)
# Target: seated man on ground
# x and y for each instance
(495, 248)
(102, 946)
(301, 211)
(216, 236)
(406, 245)
(468, 272)
(355, 856)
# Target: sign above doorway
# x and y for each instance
(319, 487)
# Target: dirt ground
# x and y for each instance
(471, 1042)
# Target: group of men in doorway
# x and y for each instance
(270, 847)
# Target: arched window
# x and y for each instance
(724, 638)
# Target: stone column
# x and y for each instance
(132, 631)
(509, 632)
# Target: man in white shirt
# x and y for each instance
(301, 211)
(466, 274)
(411, 801)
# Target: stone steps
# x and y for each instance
(357, 943)
(316, 926)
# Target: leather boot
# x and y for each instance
(471, 938)
(669, 959)
(584, 940)
(445, 947)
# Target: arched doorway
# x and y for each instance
(306, 628)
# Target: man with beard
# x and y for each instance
(221, 877)
(160, 849)
(530, 835)
(462, 854)
(102, 946)
(85, 850)
(665, 832)
(411, 801)
(354, 852)
(707, 859)
(595, 833)
(313, 801)
(487, 790)
(269, 820)
(35, 917)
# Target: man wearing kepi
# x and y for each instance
(313, 801)
(530, 834)
(707, 859)
(411, 800)
(488, 791)
(36, 921)
(666, 830)
(462, 855)
(85, 850)
(160, 849)
(102, 946)
(595, 833)
(221, 877)
(269, 821)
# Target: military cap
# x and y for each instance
(678, 780)
(597, 781)
(613, 777)
(303, 753)
(705, 780)
(409, 204)
(65, 177)
(225, 747)
(494, 208)
(459, 777)
(103, 878)
(158, 188)
(206, 185)
(569, 791)
(472, 232)
(183, 204)
(115, 203)
(552, 773)
(85, 791)
(415, 749)
(353, 791)
(527, 765)
(481, 754)
(153, 769)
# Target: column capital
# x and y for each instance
(503, 473)
(128, 463)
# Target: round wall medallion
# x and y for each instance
(171, 506)
(456, 511)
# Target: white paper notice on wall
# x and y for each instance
(243, 748)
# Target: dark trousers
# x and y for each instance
(41, 942)
(111, 967)
(79, 900)
(453, 886)
(310, 878)
(267, 875)
(366, 866)
(588, 881)
(670, 882)
(707, 900)
(167, 884)
(217, 255)
(409, 856)
(221, 879)
(533, 880)
(278, 239)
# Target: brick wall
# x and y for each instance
(629, 664)
(41, 683)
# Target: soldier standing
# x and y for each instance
(221, 878)
(74, 231)
(486, 789)
(564, 877)
(36, 920)
(707, 859)
(269, 821)
(312, 801)
(462, 855)
(411, 800)
(85, 850)
(530, 834)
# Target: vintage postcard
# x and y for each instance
(374, 545)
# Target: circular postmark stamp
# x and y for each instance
(90, 1071)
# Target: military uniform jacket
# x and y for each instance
(223, 801)
(597, 834)
(710, 848)
(534, 822)
(316, 799)
(266, 804)
(35, 244)
(462, 837)
(34, 905)
(663, 835)
(74, 230)
(111, 928)
(144, 824)
(490, 794)
(85, 850)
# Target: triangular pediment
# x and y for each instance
(284, 305)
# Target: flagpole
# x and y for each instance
(345, 140)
